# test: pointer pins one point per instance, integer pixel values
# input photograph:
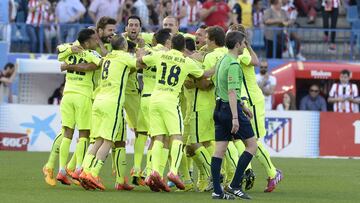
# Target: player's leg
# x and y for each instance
(99, 161)
(201, 132)
(63, 155)
(146, 172)
(185, 175)
(112, 128)
(83, 114)
(175, 129)
(80, 151)
(247, 135)
(232, 158)
(120, 163)
(68, 124)
(120, 158)
(244, 159)
(139, 146)
(48, 169)
(249, 176)
(184, 169)
(262, 155)
(240, 147)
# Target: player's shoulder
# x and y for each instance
(92, 53)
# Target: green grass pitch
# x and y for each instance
(306, 180)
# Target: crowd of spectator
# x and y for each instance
(343, 95)
(278, 14)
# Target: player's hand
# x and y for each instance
(247, 112)
(76, 49)
(63, 67)
(189, 84)
(140, 42)
(140, 53)
(197, 56)
(235, 126)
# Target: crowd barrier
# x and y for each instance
(43, 39)
(289, 133)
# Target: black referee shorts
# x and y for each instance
(223, 123)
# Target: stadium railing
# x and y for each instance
(312, 40)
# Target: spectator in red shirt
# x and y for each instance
(215, 12)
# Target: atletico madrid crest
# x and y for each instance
(278, 135)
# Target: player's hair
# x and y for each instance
(232, 38)
(256, 1)
(117, 42)
(203, 27)
(273, 2)
(345, 72)
(237, 27)
(217, 34)
(135, 18)
(190, 44)
(173, 17)
(178, 42)
(9, 66)
(162, 35)
(103, 21)
(85, 34)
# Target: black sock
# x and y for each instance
(215, 172)
(243, 162)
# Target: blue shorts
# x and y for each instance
(223, 123)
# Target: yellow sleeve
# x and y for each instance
(94, 57)
(131, 61)
(147, 37)
(64, 50)
(150, 59)
(193, 68)
(209, 61)
(245, 58)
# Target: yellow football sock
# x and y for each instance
(81, 148)
(204, 159)
(72, 163)
(113, 164)
(176, 155)
(54, 151)
(190, 163)
(139, 152)
(164, 158)
(241, 148)
(148, 162)
(89, 160)
(157, 153)
(95, 170)
(211, 149)
(64, 152)
(120, 162)
(184, 169)
(264, 158)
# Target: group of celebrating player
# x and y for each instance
(181, 75)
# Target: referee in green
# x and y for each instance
(231, 118)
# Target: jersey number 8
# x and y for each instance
(105, 72)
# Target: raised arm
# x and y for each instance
(81, 67)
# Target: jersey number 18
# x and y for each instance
(173, 77)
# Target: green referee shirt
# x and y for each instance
(229, 76)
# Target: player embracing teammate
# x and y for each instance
(209, 74)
